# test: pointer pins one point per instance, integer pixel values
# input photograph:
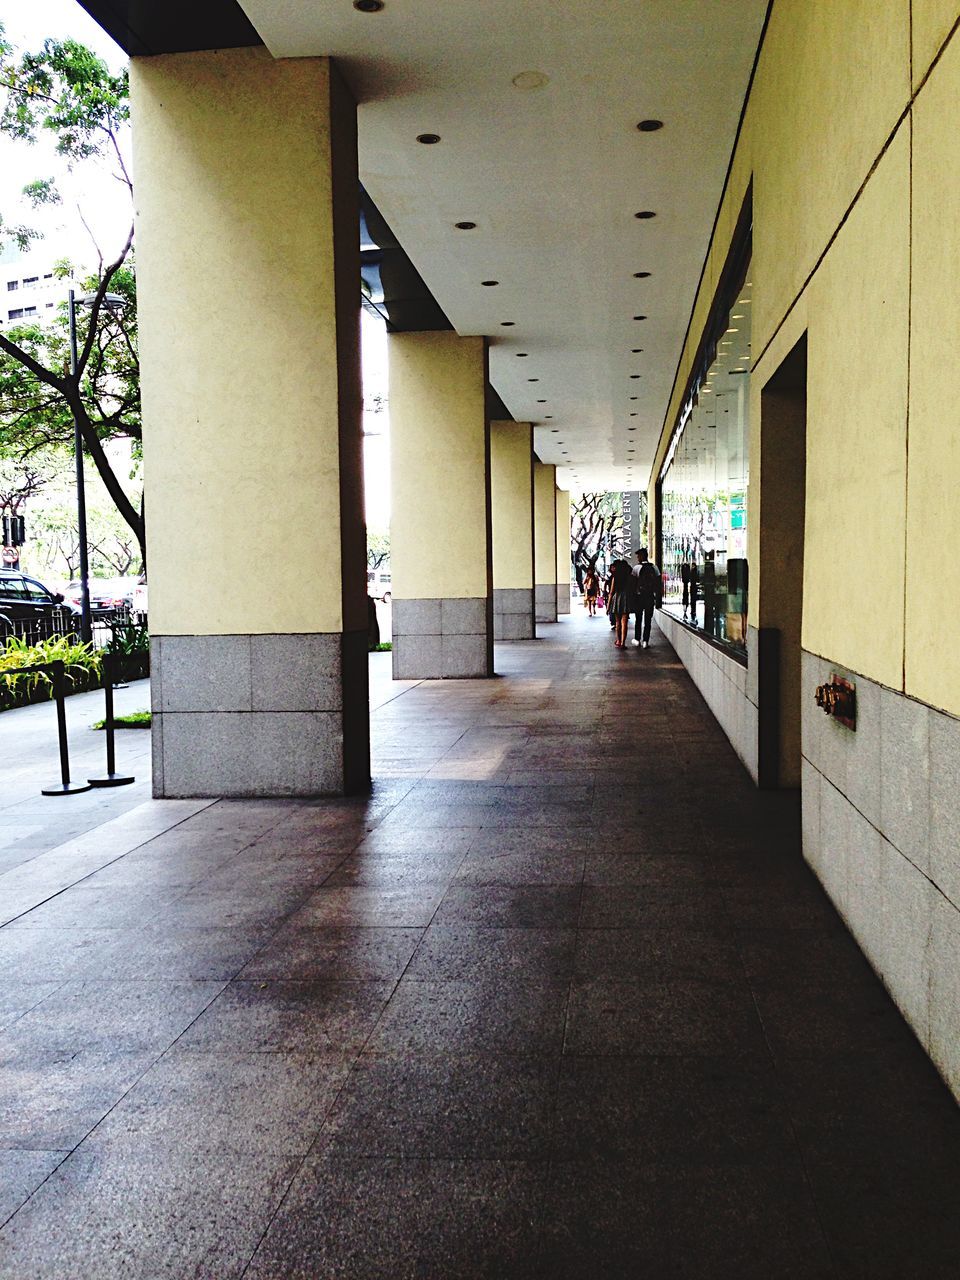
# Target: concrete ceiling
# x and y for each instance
(552, 168)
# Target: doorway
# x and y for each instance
(783, 485)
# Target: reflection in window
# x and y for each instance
(704, 493)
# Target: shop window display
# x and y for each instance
(703, 493)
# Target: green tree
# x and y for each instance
(66, 91)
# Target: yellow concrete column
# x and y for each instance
(440, 536)
(563, 551)
(248, 271)
(545, 538)
(511, 484)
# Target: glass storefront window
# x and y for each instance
(703, 493)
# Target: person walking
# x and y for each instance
(620, 600)
(649, 591)
(591, 588)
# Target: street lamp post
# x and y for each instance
(86, 627)
(114, 302)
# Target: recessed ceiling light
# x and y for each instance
(489, 284)
(541, 402)
(522, 355)
(465, 226)
(639, 317)
(368, 6)
(634, 397)
(548, 416)
(428, 140)
(636, 350)
(650, 126)
(635, 375)
(645, 213)
(555, 430)
(641, 275)
(533, 379)
(530, 80)
(633, 415)
(507, 324)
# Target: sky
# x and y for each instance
(26, 26)
(94, 191)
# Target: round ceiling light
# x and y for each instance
(533, 379)
(489, 284)
(368, 6)
(507, 324)
(637, 350)
(637, 275)
(639, 317)
(645, 213)
(541, 402)
(650, 126)
(428, 140)
(635, 375)
(530, 80)
(522, 355)
(465, 226)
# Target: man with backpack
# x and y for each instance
(649, 588)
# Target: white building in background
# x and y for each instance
(29, 288)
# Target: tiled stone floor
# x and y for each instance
(559, 1000)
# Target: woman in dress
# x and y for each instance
(619, 607)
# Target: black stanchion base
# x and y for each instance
(111, 780)
(65, 789)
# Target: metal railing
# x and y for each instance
(63, 622)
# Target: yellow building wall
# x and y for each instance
(830, 136)
(438, 457)
(511, 488)
(545, 523)
(237, 276)
(933, 511)
(563, 536)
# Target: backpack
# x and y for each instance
(648, 579)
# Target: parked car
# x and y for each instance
(106, 594)
(378, 584)
(25, 600)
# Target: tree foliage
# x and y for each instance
(66, 91)
(596, 531)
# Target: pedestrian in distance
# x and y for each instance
(648, 586)
(591, 589)
(620, 600)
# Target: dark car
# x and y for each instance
(25, 602)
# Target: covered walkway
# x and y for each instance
(560, 999)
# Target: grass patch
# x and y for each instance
(135, 720)
(386, 647)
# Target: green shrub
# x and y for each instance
(81, 666)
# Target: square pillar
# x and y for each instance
(511, 482)
(248, 275)
(545, 540)
(441, 553)
(563, 551)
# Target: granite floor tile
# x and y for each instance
(451, 953)
(657, 953)
(477, 1107)
(510, 906)
(673, 1110)
(494, 1016)
(166, 1215)
(349, 1218)
(410, 905)
(21, 1173)
(319, 1017)
(614, 1018)
(50, 1099)
(346, 952)
(224, 1103)
(623, 1220)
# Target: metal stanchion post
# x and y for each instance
(112, 778)
(66, 787)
